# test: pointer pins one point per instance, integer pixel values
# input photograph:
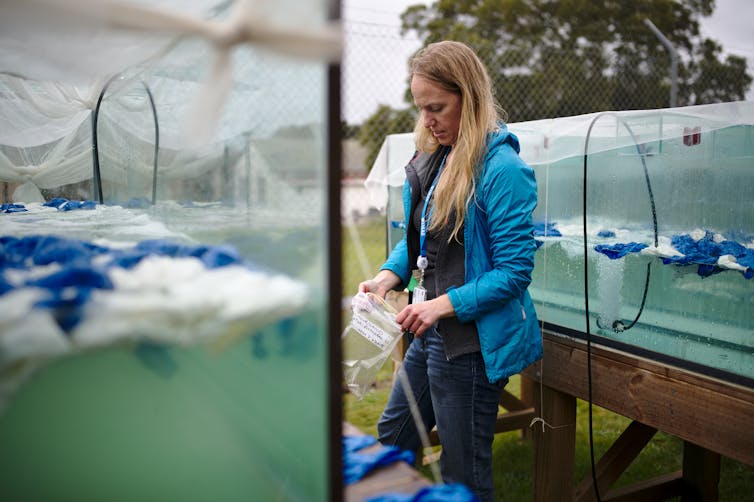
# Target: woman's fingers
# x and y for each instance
(417, 318)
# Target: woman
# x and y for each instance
(472, 319)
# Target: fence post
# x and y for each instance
(673, 61)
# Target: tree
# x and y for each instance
(554, 58)
(550, 58)
(714, 81)
(383, 122)
(349, 131)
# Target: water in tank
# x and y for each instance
(657, 205)
(163, 299)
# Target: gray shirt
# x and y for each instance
(446, 263)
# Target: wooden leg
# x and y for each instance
(555, 446)
(617, 458)
(701, 474)
(527, 396)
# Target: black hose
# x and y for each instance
(617, 326)
(156, 142)
(97, 175)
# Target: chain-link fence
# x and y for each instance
(531, 85)
(374, 77)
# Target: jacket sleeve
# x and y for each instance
(499, 267)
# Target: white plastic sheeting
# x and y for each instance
(79, 39)
(208, 64)
(550, 140)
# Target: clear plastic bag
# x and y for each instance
(368, 341)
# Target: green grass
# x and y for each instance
(513, 455)
(370, 237)
(513, 458)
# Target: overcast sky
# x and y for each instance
(730, 25)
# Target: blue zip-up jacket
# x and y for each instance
(499, 252)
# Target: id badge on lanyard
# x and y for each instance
(420, 294)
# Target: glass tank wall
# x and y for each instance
(669, 244)
(669, 229)
(163, 297)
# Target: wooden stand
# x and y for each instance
(517, 415)
(712, 416)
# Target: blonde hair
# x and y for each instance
(457, 69)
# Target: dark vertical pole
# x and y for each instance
(335, 274)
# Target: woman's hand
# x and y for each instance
(383, 282)
(417, 318)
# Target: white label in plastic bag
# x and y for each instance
(370, 331)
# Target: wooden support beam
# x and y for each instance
(527, 397)
(656, 489)
(509, 421)
(711, 413)
(514, 420)
(554, 445)
(700, 409)
(615, 461)
(511, 402)
(701, 474)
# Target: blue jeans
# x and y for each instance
(457, 397)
